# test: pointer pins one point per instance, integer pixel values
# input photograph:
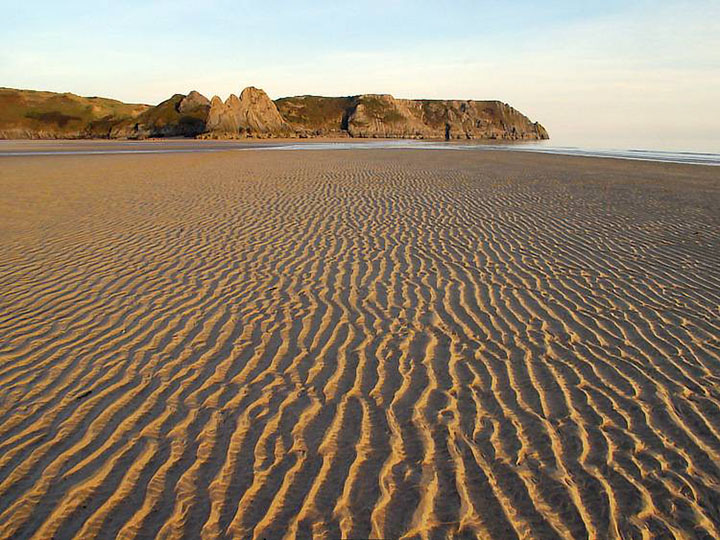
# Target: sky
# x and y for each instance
(623, 74)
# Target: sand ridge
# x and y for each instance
(358, 344)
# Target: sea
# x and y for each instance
(93, 147)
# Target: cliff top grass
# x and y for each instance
(381, 108)
(313, 110)
(29, 109)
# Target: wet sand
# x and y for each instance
(390, 343)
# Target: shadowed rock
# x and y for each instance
(179, 116)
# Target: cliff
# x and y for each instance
(316, 116)
(28, 114)
(381, 115)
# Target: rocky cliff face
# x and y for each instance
(316, 116)
(27, 114)
(179, 116)
(381, 115)
(222, 118)
(253, 114)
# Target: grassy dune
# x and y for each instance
(32, 114)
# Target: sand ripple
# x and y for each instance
(359, 344)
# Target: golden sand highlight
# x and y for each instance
(356, 344)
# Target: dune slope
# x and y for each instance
(358, 344)
(31, 114)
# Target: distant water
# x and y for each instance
(694, 158)
(53, 148)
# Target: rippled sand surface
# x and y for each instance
(358, 344)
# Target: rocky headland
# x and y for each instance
(28, 114)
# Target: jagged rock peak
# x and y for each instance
(221, 116)
(254, 94)
(193, 101)
(251, 114)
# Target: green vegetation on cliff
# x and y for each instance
(315, 113)
(168, 119)
(33, 114)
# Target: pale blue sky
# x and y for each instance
(596, 72)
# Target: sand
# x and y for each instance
(354, 344)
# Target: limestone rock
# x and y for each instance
(253, 114)
(193, 102)
(222, 118)
(179, 116)
(382, 115)
(30, 114)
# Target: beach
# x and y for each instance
(388, 343)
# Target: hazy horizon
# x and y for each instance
(597, 74)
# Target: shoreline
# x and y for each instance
(58, 147)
